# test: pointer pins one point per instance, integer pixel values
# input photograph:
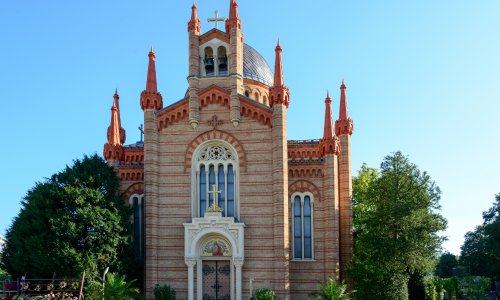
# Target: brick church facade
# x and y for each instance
(223, 202)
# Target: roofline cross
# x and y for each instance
(216, 19)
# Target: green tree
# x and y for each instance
(71, 222)
(447, 262)
(480, 253)
(396, 229)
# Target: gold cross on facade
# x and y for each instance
(216, 19)
(214, 122)
(214, 207)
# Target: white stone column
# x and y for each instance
(190, 262)
(238, 263)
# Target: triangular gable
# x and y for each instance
(214, 34)
(214, 94)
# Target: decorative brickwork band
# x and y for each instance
(329, 146)
(304, 186)
(214, 135)
(135, 188)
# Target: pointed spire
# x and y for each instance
(116, 134)
(279, 93)
(344, 125)
(278, 67)
(328, 128)
(194, 24)
(150, 98)
(233, 10)
(151, 81)
(343, 115)
(234, 20)
(113, 149)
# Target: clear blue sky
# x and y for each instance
(423, 77)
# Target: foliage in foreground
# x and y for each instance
(163, 292)
(396, 226)
(115, 288)
(332, 290)
(446, 264)
(480, 253)
(72, 222)
(264, 294)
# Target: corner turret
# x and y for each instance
(279, 92)
(150, 98)
(344, 125)
(113, 149)
(194, 24)
(329, 144)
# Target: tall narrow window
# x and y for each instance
(302, 206)
(215, 167)
(297, 228)
(135, 202)
(203, 191)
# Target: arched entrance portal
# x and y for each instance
(214, 247)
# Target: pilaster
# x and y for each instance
(280, 203)
(233, 27)
(345, 213)
(331, 211)
(151, 187)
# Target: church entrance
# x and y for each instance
(216, 279)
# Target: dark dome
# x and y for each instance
(256, 67)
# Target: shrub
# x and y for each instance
(474, 286)
(164, 292)
(116, 288)
(332, 290)
(264, 294)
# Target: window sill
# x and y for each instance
(303, 260)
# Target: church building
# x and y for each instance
(223, 202)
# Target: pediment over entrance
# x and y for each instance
(214, 231)
(210, 242)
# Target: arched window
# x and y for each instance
(215, 177)
(256, 97)
(136, 203)
(302, 208)
(208, 60)
(222, 60)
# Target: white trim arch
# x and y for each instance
(216, 153)
(303, 255)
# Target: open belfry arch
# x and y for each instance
(222, 201)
